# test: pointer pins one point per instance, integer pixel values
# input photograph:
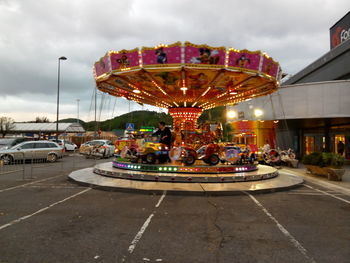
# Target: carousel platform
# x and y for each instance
(260, 179)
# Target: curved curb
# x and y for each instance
(86, 177)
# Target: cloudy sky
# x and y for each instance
(35, 33)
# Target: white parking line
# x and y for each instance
(295, 242)
(144, 226)
(308, 194)
(160, 199)
(23, 185)
(325, 193)
(41, 210)
(319, 182)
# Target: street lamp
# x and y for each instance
(78, 110)
(58, 93)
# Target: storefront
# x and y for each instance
(254, 132)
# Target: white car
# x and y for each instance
(67, 145)
(105, 148)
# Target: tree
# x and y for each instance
(42, 119)
(6, 125)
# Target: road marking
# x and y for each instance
(42, 210)
(319, 194)
(325, 193)
(144, 226)
(23, 185)
(60, 187)
(160, 199)
(320, 182)
(10, 172)
(295, 242)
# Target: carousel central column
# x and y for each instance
(185, 119)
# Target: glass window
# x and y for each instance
(28, 146)
(52, 145)
(40, 145)
(309, 144)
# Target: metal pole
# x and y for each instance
(58, 97)
(58, 93)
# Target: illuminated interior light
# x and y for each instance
(232, 114)
(258, 112)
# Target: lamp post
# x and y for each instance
(58, 94)
(78, 100)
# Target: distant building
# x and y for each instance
(45, 130)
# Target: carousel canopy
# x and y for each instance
(187, 75)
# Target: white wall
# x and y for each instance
(302, 101)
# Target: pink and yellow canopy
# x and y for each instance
(187, 75)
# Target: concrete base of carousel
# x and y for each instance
(280, 181)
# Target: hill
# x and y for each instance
(146, 118)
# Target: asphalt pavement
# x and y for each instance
(46, 218)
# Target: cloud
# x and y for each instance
(36, 32)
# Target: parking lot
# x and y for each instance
(46, 218)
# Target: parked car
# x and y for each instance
(100, 148)
(67, 145)
(30, 150)
(7, 143)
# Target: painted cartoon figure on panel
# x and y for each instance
(123, 61)
(206, 56)
(161, 56)
(243, 61)
(198, 80)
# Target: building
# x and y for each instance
(312, 108)
(46, 130)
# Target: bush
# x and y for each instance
(324, 159)
(314, 158)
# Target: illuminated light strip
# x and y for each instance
(227, 57)
(206, 91)
(160, 45)
(187, 169)
(140, 58)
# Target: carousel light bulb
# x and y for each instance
(136, 91)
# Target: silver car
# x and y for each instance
(30, 150)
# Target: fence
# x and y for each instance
(35, 165)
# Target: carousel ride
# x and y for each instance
(187, 79)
